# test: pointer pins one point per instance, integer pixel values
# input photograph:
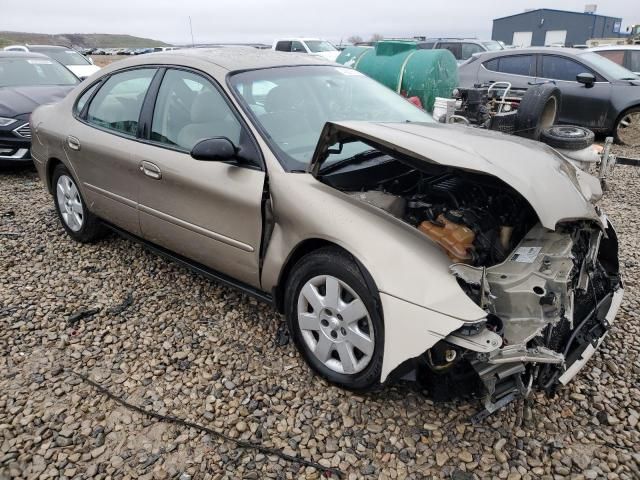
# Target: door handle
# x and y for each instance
(73, 142)
(150, 170)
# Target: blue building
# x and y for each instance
(546, 26)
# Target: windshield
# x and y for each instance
(292, 104)
(493, 46)
(606, 67)
(18, 72)
(65, 57)
(317, 46)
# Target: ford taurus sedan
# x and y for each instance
(392, 244)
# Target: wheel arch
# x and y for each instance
(52, 163)
(305, 247)
(625, 110)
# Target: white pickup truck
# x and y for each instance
(311, 46)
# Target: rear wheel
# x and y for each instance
(334, 320)
(77, 220)
(627, 130)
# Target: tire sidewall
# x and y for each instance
(528, 119)
(342, 266)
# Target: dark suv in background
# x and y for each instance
(596, 93)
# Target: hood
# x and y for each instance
(83, 71)
(16, 101)
(548, 181)
(329, 55)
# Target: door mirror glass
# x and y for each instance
(587, 79)
(217, 149)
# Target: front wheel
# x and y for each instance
(334, 320)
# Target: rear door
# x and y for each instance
(207, 211)
(519, 70)
(99, 145)
(581, 105)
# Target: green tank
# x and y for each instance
(409, 71)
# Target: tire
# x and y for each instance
(79, 223)
(326, 344)
(567, 137)
(627, 129)
(538, 109)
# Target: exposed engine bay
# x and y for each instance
(476, 219)
(547, 293)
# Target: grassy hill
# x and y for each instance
(79, 40)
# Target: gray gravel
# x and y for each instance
(191, 348)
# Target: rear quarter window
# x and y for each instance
(283, 46)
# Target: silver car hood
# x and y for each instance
(556, 190)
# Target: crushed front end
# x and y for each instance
(550, 304)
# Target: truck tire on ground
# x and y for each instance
(539, 109)
(567, 137)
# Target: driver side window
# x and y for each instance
(189, 109)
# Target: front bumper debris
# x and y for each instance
(550, 305)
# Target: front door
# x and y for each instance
(207, 211)
(581, 105)
(99, 145)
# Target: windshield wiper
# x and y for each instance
(357, 158)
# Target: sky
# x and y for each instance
(265, 20)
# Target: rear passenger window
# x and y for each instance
(517, 65)
(283, 46)
(190, 109)
(117, 104)
(561, 68)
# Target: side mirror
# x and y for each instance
(90, 59)
(587, 79)
(217, 149)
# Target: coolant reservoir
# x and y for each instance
(456, 239)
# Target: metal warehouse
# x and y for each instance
(545, 27)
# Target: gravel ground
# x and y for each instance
(191, 348)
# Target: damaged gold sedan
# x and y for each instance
(396, 247)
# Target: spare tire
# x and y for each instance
(538, 109)
(567, 137)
